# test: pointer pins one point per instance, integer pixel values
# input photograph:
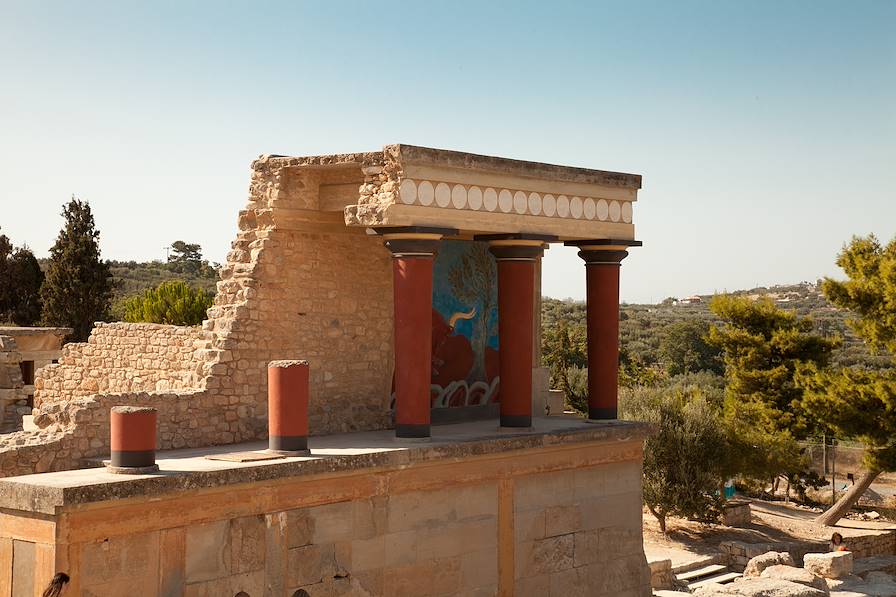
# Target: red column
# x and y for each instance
(288, 406)
(412, 261)
(602, 276)
(133, 439)
(516, 328)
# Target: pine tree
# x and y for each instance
(77, 290)
(763, 346)
(172, 302)
(859, 403)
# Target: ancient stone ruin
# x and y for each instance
(408, 279)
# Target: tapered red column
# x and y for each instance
(412, 261)
(602, 265)
(516, 326)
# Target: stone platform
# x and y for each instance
(475, 511)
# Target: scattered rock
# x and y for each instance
(829, 565)
(761, 587)
(772, 558)
(797, 575)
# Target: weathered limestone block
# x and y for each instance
(834, 564)
(797, 575)
(761, 587)
(759, 563)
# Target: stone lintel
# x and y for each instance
(370, 452)
(413, 154)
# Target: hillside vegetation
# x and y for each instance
(642, 328)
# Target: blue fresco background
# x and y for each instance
(443, 298)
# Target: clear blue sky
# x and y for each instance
(765, 131)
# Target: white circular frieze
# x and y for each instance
(575, 207)
(474, 197)
(588, 208)
(459, 196)
(549, 205)
(615, 211)
(505, 200)
(408, 191)
(425, 193)
(562, 206)
(602, 210)
(534, 204)
(520, 202)
(490, 199)
(627, 212)
(443, 194)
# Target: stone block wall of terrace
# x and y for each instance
(309, 276)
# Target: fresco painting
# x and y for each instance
(464, 326)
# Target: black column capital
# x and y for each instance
(516, 252)
(412, 247)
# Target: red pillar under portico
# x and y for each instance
(516, 256)
(603, 259)
(413, 250)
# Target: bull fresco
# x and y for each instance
(464, 325)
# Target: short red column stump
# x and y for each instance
(133, 440)
(288, 407)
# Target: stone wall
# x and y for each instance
(122, 357)
(543, 521)
(879, 543)
(299, 284)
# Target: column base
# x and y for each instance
(132, 470)
(288, 443)
(598, 415)
(516, 421)
(412, 431)
(289, 453)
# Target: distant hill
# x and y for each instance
(133, 277)
(641, 326)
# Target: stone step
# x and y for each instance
(721, 579)
(698, 562)
(670, 593)
(701, 572)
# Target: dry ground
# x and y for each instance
(772, 522)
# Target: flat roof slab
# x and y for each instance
(185, 470)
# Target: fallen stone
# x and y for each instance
(761, 587)
(862, 566)
(829, 565)
(772, 558)
(797, 575)
(878, 585)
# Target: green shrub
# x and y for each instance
(172, 302)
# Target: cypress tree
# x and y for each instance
(26, 279)
(77, 290)
(5, 280)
